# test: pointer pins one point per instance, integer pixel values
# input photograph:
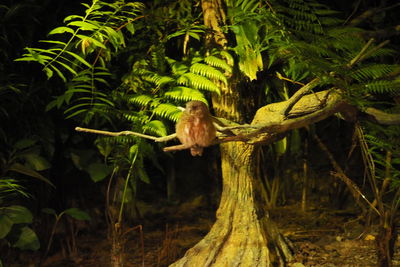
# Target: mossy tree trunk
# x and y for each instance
(242, 235)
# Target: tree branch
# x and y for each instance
(156, 139)
(269, 125)
(383, 117)
(299, 94)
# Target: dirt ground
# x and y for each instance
(319, 238)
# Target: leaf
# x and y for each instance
(84, 26)
(141, 100)
(208, 71)
(27, 240)
(18, 214)
(186, 94)
(53, 42)
(79, 58)
(92, 40)
(98, 171)
(130, 28)
(18, 167)
(77, 214)
(198, 82)
(195, 36)
(62, 29)
(156, 127)
(72, 17)
(37, 162)
(59, 73)
(5, 225)
(168, 111)
(49, 73)
(143, 175)
(24, 143)
(67, 67)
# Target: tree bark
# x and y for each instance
(243, 234)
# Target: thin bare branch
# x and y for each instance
(175, 148)
(361, 54)
(122, 133)
(339, 173)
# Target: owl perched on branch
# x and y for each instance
(195, 127)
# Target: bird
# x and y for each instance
(195, 128)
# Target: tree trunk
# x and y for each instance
(243, 234)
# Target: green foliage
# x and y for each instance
(80, 52)
(9, 187)
(75, 213)
(23, 158)
(306, 39)
(99, 27)
(13, 227)
(380, 141)
(245, 19)
(158, 93)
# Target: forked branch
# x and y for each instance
(269, 125)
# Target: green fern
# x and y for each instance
(159, 80)
(184, 94)
(141, 100)
(383, 87)
(89, 33)
(167, 111)
(215, 61)
(208, 71)
(136, 119)
(82, 93)
(198, 82)
(372, 71)
(155, 127)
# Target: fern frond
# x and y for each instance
(383, 87)
(141, 100)
(156, 127)
(198, 82)
(167, 111)
(184, 94)
(383, 52)
(179, 68)
(135, 118)
(372, 71)
(220, 63)
(228, 58)
(159, 80)
(208, 71)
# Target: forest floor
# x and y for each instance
(320, 237)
